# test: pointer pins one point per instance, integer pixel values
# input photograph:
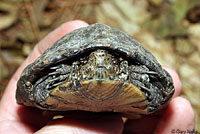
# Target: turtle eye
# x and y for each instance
(108, 59)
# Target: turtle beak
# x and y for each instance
(100, 63)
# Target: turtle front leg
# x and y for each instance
(59, 74)
(141, 73)
(143, 78)
(140, 76)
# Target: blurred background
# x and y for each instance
(170, 29)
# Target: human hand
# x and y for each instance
(15, 119)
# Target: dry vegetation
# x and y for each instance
(169, 28)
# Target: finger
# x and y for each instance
(105, 124)
(145, 125)
(14, 127)
(176, 81)
(179, 115)
(8, 103)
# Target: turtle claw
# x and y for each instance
(56, 84)
(59, 78)
(145, 88)
(56, 67)
(151, 72)
(60, 69)
(55, 79)
(53, 73)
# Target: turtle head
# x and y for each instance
(100, 58)
(100, 65)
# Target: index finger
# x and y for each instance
(8, 105)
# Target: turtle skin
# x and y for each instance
(98, 69)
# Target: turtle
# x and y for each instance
(97, 69)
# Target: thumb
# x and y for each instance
(103, 125)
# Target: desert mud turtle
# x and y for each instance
(95, 68)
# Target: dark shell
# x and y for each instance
(96, 36)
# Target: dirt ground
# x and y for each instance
(170, 29)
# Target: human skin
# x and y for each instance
(17, 119)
